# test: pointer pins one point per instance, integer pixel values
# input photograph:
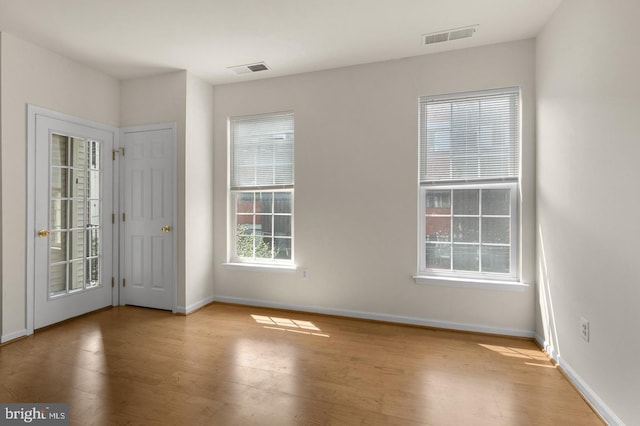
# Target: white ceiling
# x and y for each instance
(134, 38)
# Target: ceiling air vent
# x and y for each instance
(249, 68)
(449, 35)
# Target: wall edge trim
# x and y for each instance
(194, 306)
(14, 335)
(424, 322)
(593, 399)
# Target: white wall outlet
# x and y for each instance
(305, 273)
(584, 328)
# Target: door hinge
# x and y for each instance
(124, 282)
(124, 217)
(113, 155)
(113, 218)
(113, 282)
(122, 151)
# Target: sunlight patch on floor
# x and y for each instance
(535, 358)
(289, 325)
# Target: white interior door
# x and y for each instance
(147, 262)
(73, 233)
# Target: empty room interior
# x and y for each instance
(321, 212)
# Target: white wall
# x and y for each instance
(162, 99)
(199, 193)
(588, 84)
(183, 98)
(356, 153)
(30, 74)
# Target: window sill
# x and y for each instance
(471, 283)
(257, 267)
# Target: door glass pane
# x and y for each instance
(58, 217)
(77, 183)
(58, 279)
(94, 184)
(77, 213)
(94, 242)
(57, 247)
(94, 213)
(76, 242)
(59, 182)
(93, 272)
(94, 155)
(78, 158)
(76, 275)
(74, 209)
(59, 153)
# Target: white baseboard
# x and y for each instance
(15, 335)
(193, 307)
(425, 322)
(546, 346)
(594, 400)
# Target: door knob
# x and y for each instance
(166, 228)
(43, 233)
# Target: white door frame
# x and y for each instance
(32, 113)
(121, 202)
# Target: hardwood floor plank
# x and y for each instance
(235, 365)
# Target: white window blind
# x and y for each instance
(470, 137)
(262, 151)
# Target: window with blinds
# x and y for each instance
(469, 177)
(470, 137)
(261, 188)
(262, 151)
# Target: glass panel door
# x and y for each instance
(75, 220)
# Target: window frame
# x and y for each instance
(234, 257)
(426, 274)
(234, 191)
(455, 273)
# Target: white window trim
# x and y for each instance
(484, 284)
(453, 278)
(481, 279)
(235, 262)
(260, 267)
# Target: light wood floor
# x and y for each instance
(232, 365)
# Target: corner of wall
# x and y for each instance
(198, 193)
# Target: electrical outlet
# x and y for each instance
(584, 328)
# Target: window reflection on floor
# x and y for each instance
(289, 325)
(539, 359)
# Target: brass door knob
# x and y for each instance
(166, 228)
(43, 233)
